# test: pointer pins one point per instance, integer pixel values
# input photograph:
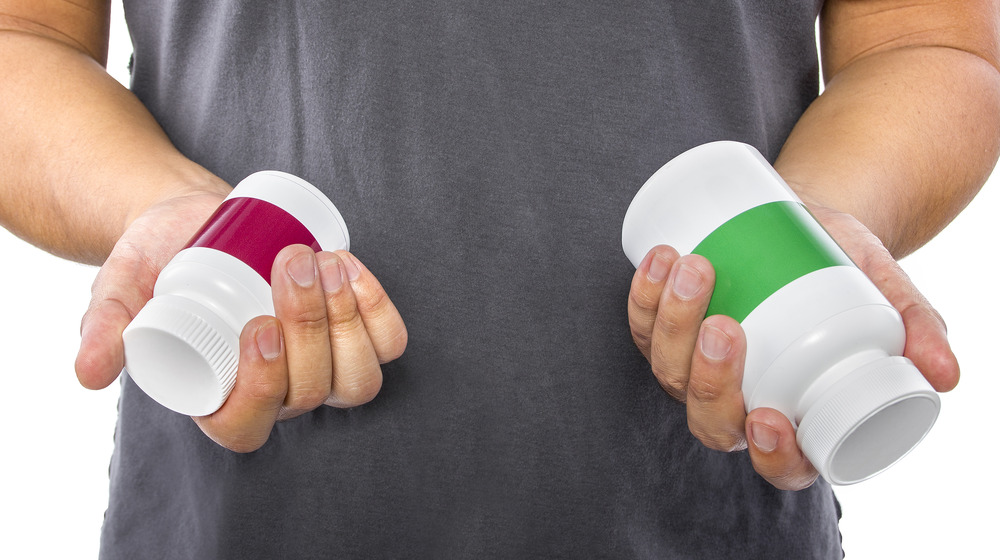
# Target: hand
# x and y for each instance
(333, 328)
(699, 360)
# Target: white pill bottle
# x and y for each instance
(824, 346)
(182, 348)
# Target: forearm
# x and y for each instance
(902, 139)
(80, 156)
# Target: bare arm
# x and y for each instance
(80, 156)
(908, 128)
(88, 174)
(900, 141)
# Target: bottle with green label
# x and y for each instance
(824, 346)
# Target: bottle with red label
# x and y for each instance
(182, 348)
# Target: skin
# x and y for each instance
(901, 140)
(121, 195)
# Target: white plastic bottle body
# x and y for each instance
(812, 335)
(824, 346)
(182, 348)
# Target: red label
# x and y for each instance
(253, 231)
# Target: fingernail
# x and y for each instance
(351, 267)
(687, 282)
(764, 437)
(269, 341)
(715, 343)
(331, 275)
(302, 269)
(658, 269)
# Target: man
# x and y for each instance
(482, 156)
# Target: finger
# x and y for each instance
(244, 421)
(300, 306)
(926, 334)
(644, 295)
(101, 356)
(121, 288)
(382, 320)
(774, 452)
(927, 343)
(928, 348)
(681, 310)
(715, 409)
(357, 376)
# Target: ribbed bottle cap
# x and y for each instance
(868, 420)
(182, 355)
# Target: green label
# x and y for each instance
(759, 251)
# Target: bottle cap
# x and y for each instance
(868, 420)
(182, 355)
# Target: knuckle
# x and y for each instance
(642, 300)
(307, 396)
(674, 385)
(344, 320)
(373, 299)
(705, 436)
(677, 393)
(641, 337)
(670, 326)
(308, 319)
(718, 440)
(705, 389)
(660, 356)
(393, 347)
(265, 390)
(358, 391)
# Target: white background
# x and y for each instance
(940, 502)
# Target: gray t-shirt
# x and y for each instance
(483, 154)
